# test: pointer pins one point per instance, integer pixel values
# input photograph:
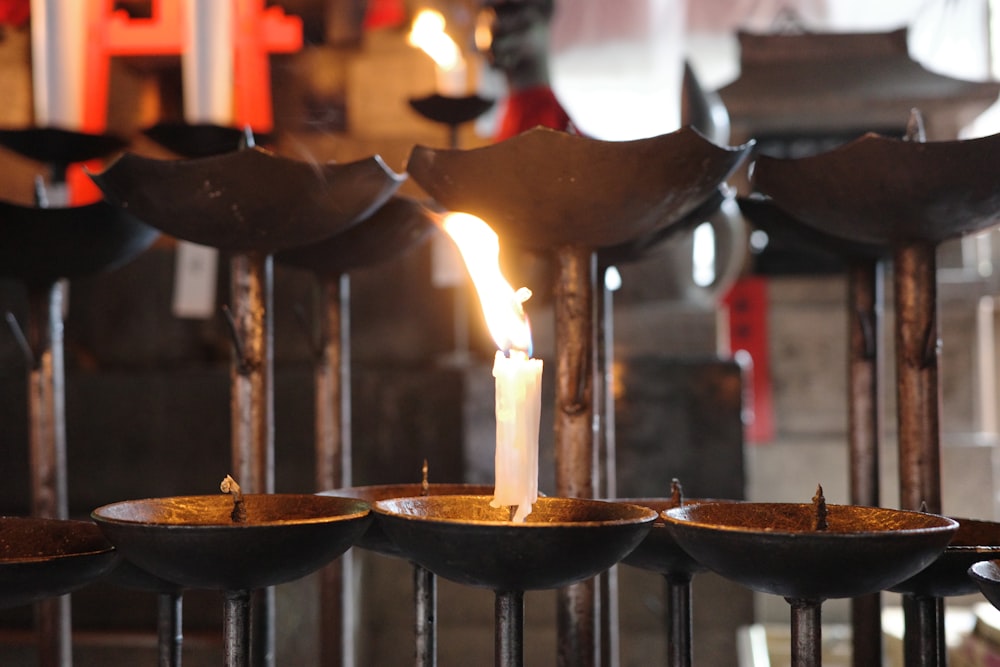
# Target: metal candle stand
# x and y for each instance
(464, 539)
(397, 226)
(808, 553)
(252, 203)
(659, 552)
(569, 196)
(233, 545)
(424, 581)
(907, 196)
(864, 264)
(40, 247)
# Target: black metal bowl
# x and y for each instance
(464, 539)
(975, 540)
(774, 547)
(42, 558)
(192, 540)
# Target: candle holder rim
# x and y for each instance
(676, 516)
(356, 509)
(640, 514)
(42, 522)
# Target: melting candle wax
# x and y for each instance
(518, 376)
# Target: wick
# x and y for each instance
(513, 510)
(923, 506)
(239, 513)
(819, 503)
(425, 486)
(676, 493)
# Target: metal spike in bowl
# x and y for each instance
(202, 542)
(464, 539)
(808, 553)
(40, 245)
(247, 200)
(43, 558)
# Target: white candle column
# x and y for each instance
(58, 31)
(518, 411)
(207, 62)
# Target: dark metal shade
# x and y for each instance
(397, 226)
(451, 110)
(948, 575)
(544, 189)
(248, 199)
(877, 189)
(773, 548)
(197, 140)
(45, 244)
(41, 558)
(59, 146)
(192, 540)
(463, 539)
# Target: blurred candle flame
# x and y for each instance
(427, 33)
(503, 306)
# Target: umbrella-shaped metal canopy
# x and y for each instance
(248, 199)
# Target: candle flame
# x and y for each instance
(427, 33)
(503, 306)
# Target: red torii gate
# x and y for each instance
(257, 32)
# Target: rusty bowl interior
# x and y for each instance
(41, 558)
(193, 542)
(42, 245)
(774, 548)
(878, 189)
(563, 540)
(975, 540)
(375, 538)
(545, 189)
(398, 225)
(248, 200)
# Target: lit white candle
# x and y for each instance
(518, 376)
(427, 33)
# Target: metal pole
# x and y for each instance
(169, 622)
(47, 442)
(332, 379)
(575, 451)
(915, 282)
(607, 470)
(508, 643)
(425, 603)
(807, 646)
(236, 629)
(678, 614)
(924, 641)
(252, 408)
(865, 301)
